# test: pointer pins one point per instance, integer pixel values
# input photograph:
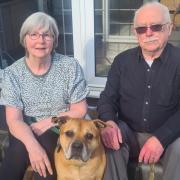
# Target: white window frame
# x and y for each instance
(106, 29)
(83, 39)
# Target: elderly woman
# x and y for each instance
(40, 85)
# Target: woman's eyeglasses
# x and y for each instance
(153, 28)
(46, 36)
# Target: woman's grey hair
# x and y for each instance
(164, 9)
(36, 21)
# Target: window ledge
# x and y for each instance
(95, 91)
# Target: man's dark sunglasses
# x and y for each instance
(154, 28)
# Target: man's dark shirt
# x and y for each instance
(146, 98)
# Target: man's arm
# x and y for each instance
(162, 137)
(108, 103)
(170, 130)
(108, 108)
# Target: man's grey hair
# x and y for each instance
(164, 9)
(37, 21)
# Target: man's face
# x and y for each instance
(152, 39)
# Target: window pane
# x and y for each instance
(68, 22)
(69, 45)
(61, 10)
(102, 63)
(105, 53)
(113, 21)
(98, 4)
(120, 22)
(67, 4)
(120, 29)
(120, 16)
(125, 4)
(12, 15)
(98, 21)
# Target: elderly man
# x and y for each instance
(141, 100)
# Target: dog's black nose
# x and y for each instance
(78, 145)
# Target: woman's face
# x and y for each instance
(39, 44)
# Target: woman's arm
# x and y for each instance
(18, 127)
(23, 132)
(76, 110)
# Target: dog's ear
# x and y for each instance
(60, 120)
(99, 124)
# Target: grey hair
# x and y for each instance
(39, 20)
(163, 8)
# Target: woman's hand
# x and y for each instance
(41, 126)
(111, 136)
(39, 160)
(37, 155)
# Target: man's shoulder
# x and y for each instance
(127, 55)
(174, 50)
(173, 54)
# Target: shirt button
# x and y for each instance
(149, 86)
(148, 69)
(146, 102)
(145, 119)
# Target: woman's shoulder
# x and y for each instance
(64, 60)
(16, 67)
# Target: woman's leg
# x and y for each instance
(15, 161)
(48, 141)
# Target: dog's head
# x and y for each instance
(79, 138)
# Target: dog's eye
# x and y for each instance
(69, 133)
(89, 136)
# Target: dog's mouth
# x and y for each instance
(77, 157)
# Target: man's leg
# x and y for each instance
(171, 161)
(116, 167)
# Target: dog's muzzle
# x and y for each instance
(76, 150)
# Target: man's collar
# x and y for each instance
(162, 58)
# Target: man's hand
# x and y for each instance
(111, 135)
(151, 151)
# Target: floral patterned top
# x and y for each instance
(44, 95)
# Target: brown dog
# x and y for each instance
(80, 155)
